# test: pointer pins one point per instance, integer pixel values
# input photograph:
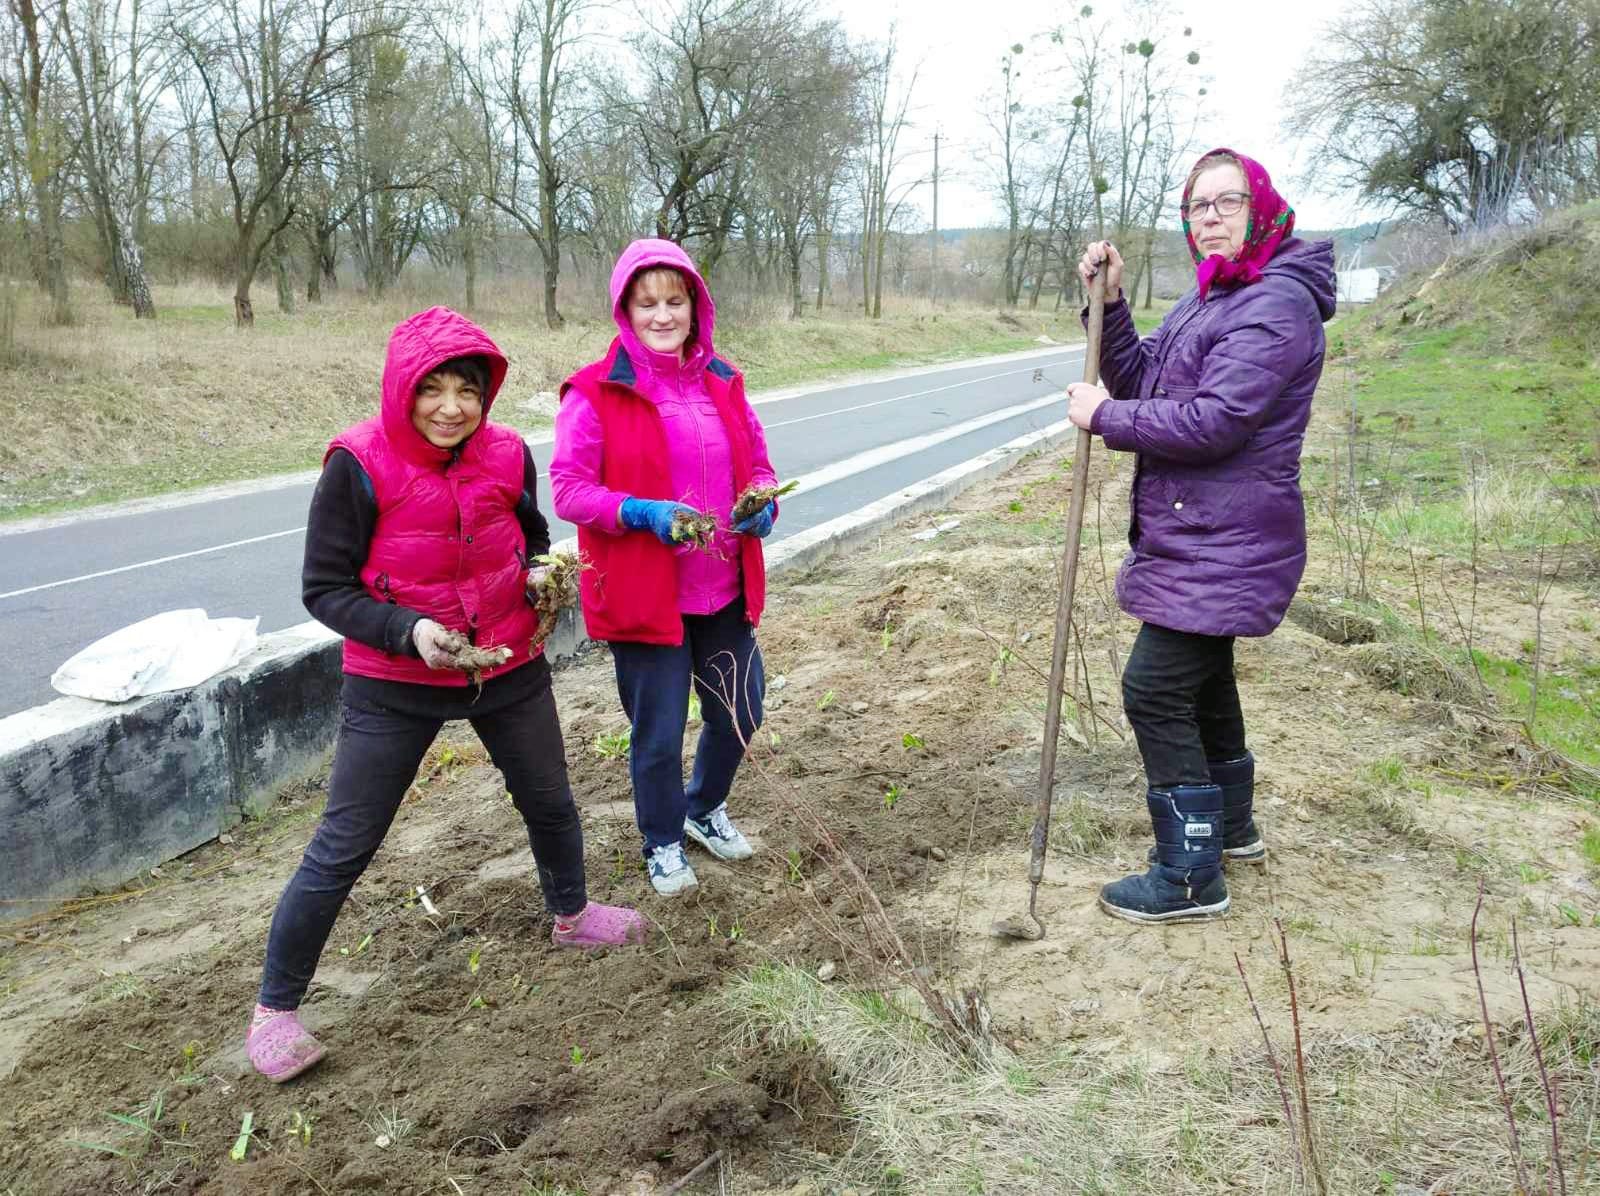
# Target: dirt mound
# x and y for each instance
(1331, 622)
(1415, 671)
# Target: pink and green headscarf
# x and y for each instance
(1271, 221)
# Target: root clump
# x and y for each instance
(557, 590)
(754, 498)
(693, 527)
(470, 658)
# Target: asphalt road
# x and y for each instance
(69, 582)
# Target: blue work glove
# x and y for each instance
(759, 524)
(651, 515)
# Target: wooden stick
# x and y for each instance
(698, 1171)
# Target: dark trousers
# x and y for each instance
(385, 728)
(1179, 693)
(720, 657)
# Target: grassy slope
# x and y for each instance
(116, 409)
(1476, 434)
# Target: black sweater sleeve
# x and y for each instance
(535, 527)
(344, 512)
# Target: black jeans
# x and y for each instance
(719, 654)
(1179, 693)
(385, 727)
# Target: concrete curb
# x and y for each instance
(91, 795)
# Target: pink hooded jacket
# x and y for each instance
(699, 457)
(447, 542)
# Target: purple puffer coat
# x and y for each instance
(1216, 404)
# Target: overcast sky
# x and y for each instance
(1249, 48)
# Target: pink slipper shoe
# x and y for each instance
(599, 926)
(281, 1048)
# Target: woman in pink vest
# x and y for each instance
(658, 426)
(419, 538)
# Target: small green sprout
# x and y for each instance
(613, 746)
(242, 1144)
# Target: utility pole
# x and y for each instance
(933, 241)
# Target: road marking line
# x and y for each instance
(861, 462)
(67, 581)
(916, 394)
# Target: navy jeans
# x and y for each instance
(385, 728)
(719, 655)
(1179, 693)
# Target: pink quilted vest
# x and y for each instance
(447, 542)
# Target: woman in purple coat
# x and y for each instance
(1215, 404)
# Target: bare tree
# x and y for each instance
(798, 169)
(29, 90)
(520, 86)
(883, 192)
(264, 72)
(119, 72)
(1035, 151)
(716, 81)
(387, 138)
(460, 184)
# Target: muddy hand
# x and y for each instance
(435, 644)
(536, 575)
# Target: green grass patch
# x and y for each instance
(1591, 845)
(1568, 714)
(1430, 401)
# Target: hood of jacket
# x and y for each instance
(418, 345)
(645, 254)
(1309, 263)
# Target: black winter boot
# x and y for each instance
(1186, 879)
(1241, 842)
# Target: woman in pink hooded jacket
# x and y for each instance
(658, 426)
(419, 539)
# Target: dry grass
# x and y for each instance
(124, 408)
(1416, 1106)
(1415, 671)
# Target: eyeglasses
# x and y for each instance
(1229, 203)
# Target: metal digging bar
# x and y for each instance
(1029, 925)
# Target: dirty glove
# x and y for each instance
(652, 515)
(435, 644)
(759, 524)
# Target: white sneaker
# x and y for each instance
(669, 869)
(717, 834)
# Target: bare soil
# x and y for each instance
(468, 1054)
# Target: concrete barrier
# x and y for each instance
(92, 794)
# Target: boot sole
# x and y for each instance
(679, 889)
(1254, 856)
(1198, 914)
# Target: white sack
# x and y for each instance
(172, 650)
